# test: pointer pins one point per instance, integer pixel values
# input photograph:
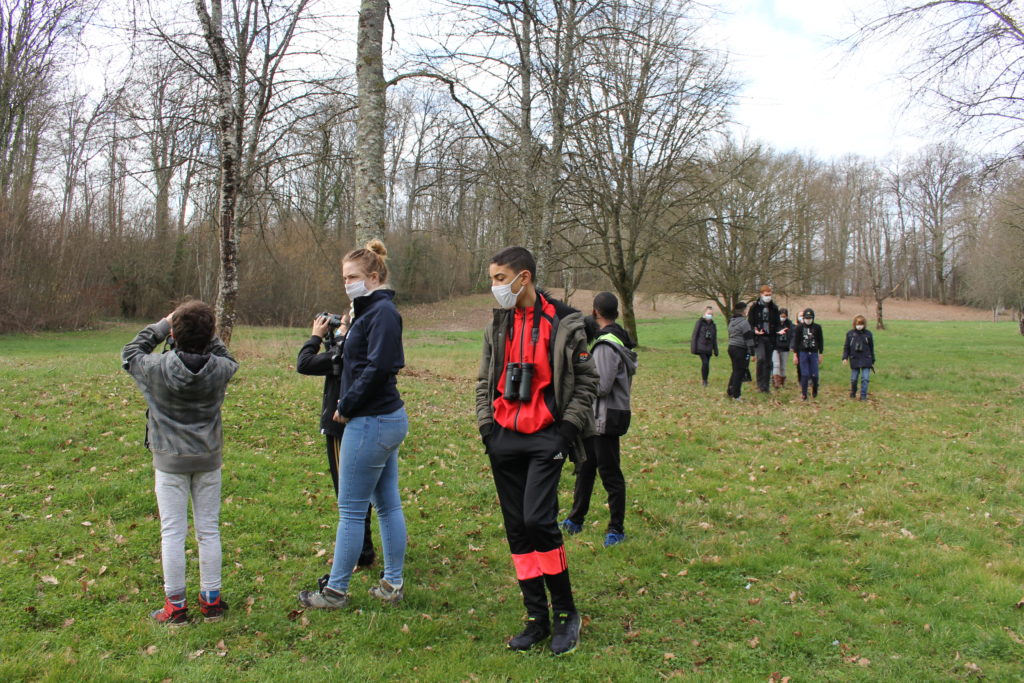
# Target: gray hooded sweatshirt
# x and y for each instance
(616, 364)
(184, 392)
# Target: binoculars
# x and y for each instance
(518, 381)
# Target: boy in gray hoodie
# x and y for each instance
(184, 390)
(616, 364)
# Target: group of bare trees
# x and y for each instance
(240, 155)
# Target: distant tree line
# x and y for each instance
(591, 131)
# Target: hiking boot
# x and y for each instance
(325, 598)
(537, 629)
(566, 634)
(613, 538)
(385, 592)
(212, 611)
(170, 615)
(570, 527)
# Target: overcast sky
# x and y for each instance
(802, 92)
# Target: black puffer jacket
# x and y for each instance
(859, 349)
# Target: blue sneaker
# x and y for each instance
(613, 538)
(570, 527)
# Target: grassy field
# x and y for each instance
(834, 540)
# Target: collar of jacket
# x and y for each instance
(610, 338)
(364, 302)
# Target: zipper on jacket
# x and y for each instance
(522, 334)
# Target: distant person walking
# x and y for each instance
(808, 345)
(616, 364)
(859, 353)
(704, 342)
(741, 346)
(781, 352)
(764, 320)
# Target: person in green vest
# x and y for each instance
(616, 364)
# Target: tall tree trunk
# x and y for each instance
(369, 153)
(227, 294)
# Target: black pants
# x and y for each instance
(333, 456)
(705, 366)
(763, 351)
(602, 458)
(526, 470)
(738, 356)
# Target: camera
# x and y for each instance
(333, 320)
(518, 381)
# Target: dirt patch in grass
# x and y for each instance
(469, 313)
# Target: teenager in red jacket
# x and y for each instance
(534, 395)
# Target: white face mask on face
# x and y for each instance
(859, 327)
(767, 298)
(504, 295)
(356, 290)
(708, 316)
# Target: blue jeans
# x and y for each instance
(865, 376)
(369, 473)
(808, 371)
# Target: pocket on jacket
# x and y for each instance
(616, 422)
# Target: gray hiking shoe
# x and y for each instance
(325, 598)
(385, 592)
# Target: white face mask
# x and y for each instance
(860, 327)
(708, 316)
(356, 290)
(783, 318)
(504, 295)
(767, 298)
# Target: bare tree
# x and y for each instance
(652, 100)
(967, 58)
(742, 227)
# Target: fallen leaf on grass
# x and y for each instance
(753, 642)
(69, 621)
(1013, 636)
(928, 628)
(321, 552)
(908, 534)
(1020, 604)
(221, 645)
(149, 650)
(52, 580)
(669, 655)
(754, 601)
(120, 540)
(249, 602)
(196, 654)
(102, 571)
(405, 628)
(294, 614)
(87, 523)
(973, 669)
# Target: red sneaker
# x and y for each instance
(171, 615)
(212, 611)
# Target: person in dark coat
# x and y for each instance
(764, 321)
(859, 353)
(327, 364)
(741, 346)
(807, 346)
(704, 342)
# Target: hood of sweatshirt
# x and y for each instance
(625, 348)
(189, 374)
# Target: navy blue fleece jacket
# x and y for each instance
(372, 358)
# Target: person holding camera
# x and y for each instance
(184, 390)
(808, 347)
(859, 353)
(616, 364)
(534, 393)
(329, 331)
(704, 342)
(741, 347)
(764, 321)
(781, 352)
(372, 411)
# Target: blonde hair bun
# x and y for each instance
(378, 248)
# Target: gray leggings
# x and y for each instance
(779, 362)
(172, 495)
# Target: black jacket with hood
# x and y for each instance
(704, 340)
